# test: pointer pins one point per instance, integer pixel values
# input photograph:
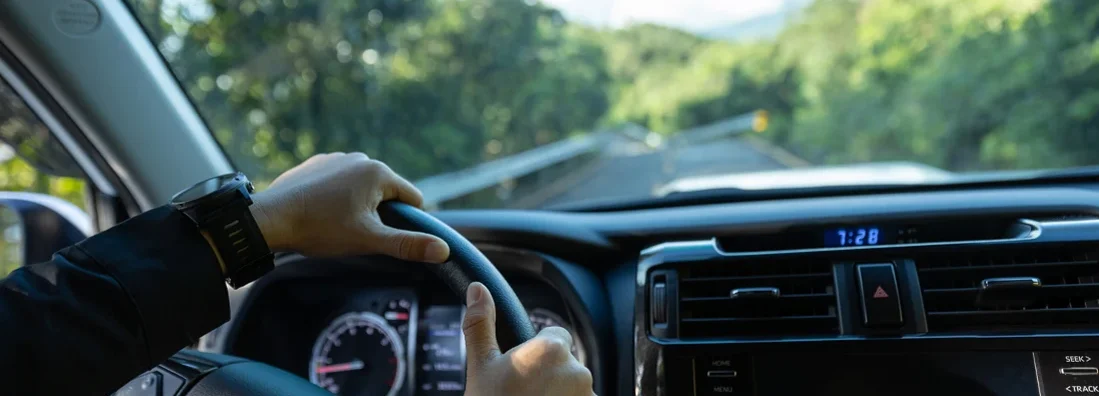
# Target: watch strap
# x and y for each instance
(239, 242)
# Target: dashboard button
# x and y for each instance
(881, 304)
(1068, 373)
(1079, 371)
(723, 375)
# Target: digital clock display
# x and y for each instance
(859, 236)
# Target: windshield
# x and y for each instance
(534, 103)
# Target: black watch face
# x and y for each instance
(204, 188)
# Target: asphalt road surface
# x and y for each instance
(629, 169)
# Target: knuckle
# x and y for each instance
(552, 350)
(405, 245)
(359, 155)
(367, 166)
(584, 378)
(474, 320)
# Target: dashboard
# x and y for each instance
(978, 290)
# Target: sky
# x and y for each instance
(691, 15)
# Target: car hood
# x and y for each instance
(877, 173)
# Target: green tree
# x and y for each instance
(428, 86)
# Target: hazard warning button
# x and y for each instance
(881, 305)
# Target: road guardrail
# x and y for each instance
(442, 188)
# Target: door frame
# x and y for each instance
(114, 97)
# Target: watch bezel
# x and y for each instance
(215, 198)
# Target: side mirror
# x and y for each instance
(37, 225)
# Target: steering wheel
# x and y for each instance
(194, 373)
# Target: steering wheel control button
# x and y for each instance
(881, 303)
(1079, 370)
(723, 376)
(155, 382)
(147, 384)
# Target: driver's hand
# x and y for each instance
(541, 366)
(327, 206)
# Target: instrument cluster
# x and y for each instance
(390, 341)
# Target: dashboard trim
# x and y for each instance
(1042, 232)
(653, 354)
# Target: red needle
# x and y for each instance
(336, 368)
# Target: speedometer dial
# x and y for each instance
(542, 318)
(358, 354)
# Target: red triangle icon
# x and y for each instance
(880, 293)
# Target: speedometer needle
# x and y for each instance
(336, 368)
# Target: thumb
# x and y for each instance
(479, 326)
(413, 246)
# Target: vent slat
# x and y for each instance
(1059, 318)
(724, 307)
(1049, 275)
(806, 304)
(791, 296)
(1068, 298)
(1000, 266)
(794, 325)
(1052, 296)
(757, 278)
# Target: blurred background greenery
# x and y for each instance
(432, 86)
(22, 135)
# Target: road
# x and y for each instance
(629, 169)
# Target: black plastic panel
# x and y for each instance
(785, 354)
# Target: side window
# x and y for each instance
(31, 160)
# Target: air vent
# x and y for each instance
(1011, 291)
(748, 299)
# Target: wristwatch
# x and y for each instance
(219, 208)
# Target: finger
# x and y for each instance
(479, 326)
(412, 246)
(396, 187)
(551, 345)
(578, 377)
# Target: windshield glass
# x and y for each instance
(534, 103)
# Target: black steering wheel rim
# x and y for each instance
(466, 265)
(195, 373)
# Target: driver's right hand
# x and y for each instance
(541, 366)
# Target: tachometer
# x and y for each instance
(542, 318)
(358, 354)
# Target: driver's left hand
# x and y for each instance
(327, 206)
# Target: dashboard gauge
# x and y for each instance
(397, 313)
(358, 354)
(542, 318)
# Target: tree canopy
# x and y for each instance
(432, 86)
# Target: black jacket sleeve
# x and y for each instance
(106, 309)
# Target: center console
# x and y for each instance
(961, 306)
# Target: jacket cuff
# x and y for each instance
(171, 275)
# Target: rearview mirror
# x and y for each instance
(34, 226)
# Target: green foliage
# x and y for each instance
(23, 136)
(977, 85)
(432, 86)
(426, 86)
